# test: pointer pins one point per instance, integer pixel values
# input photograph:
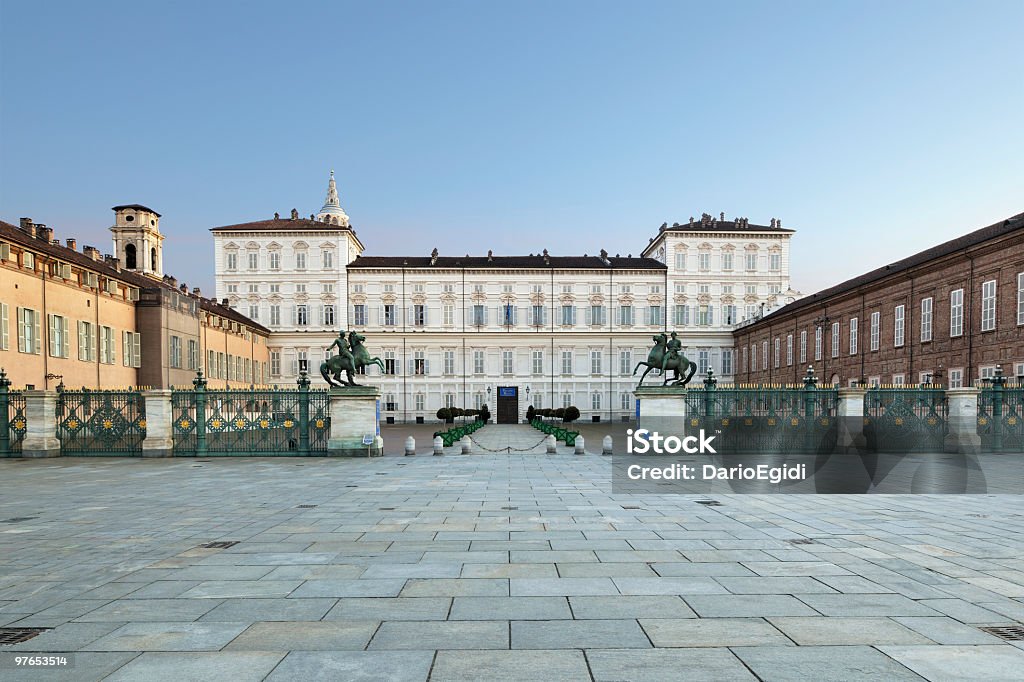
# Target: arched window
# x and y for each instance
(152, 260)
(129, 257)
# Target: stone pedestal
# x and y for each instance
(850, 413)
(159, 441)
(962, 419)
(41, 434)
(354, 416)
(662, 409)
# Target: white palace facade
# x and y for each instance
(456, 330)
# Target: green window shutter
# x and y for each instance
(126, 348)
(136, 349)
(51, 329)
(21, 331)
(65, 340)
(4, 322)
(82, 348)
(37, 336)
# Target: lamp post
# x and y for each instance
(820, 323)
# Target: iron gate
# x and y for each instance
(13, 423)
(97, 422)
(1001, 418)
(905, 419)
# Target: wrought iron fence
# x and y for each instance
(100, 422)
(906, 418)
(247, 422)
(1001, 418)
(13, 422)
(766, 419)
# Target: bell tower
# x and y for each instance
(137, 239)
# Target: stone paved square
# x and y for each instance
(489, 566)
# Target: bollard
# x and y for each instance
(579, 446)
(438, 446)
(550, 443)
(410, 446)
(467, 445)
(606, 445)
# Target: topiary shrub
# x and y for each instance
(571, 414)
(530, 413)
(443, 413)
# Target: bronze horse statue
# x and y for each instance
(676, 362)
(332, 368)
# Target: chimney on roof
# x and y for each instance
(197, 293)
(691, 220)
(28, 226)
(55, 242)
(490, 255)
(72, 243)
(778, 223)
(277, 216)
(224, 301)
(112, 262)
(183, 288)
(721, 216)
(44, 233)
(173, 281)
(91, 252)
(295, 214)
(433, 256)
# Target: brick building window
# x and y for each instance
(988, 305)
(789, 350)
(803, 346)
(876, 323)
(835, 339)
(956, 312)
(926, 319)
(1020, 298)
(817, 344)
(764, 355)
(853, 336)
(956, 378)
(777, 352)
(898, 326)
(753, 357)
(743, 359)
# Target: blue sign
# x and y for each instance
(378, 417)
(507, 391)
(638, 409)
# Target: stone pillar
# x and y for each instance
(662, 409)
(550, 444)
(607, 445)
(467, 445)
(354, 418)
(438, 446)
(850, 413)
(41, 434)
(962, 436)
(579, 445)
(410, 446)
(159, 441)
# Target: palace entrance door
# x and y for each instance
(508, 404)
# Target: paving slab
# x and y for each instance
(656, 665)
(960, 662)
(578, 634)
(510, 608)
(945, 630)
(390, 608)
(305, 636)
(712, 632)
(137, 610)
(199, 666)
(253, 610)
(561, 587)
(866, 605)
(354, 666)
(168, 636)
(457, 634)
(821, 631)
(823, 664)
(510, 666)
(748, 605)
(389, 587)
(623, 606)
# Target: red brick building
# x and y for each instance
(948, 315)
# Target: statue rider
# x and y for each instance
(671, 351)
(343, 349)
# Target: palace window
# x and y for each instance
(300, 260)
(595, 362)
(449, 400)
(956, 378)
(803, 346)
(654, 315)
(956, 312)
(566, 399)
(300, 288)
(753, 357)
(751, 259)
(817, 344)
(389, 362)
(175, 352)
(507, 365)
(566, 288)
(537, 362)
(704, 262)
(232, 261)
(419, 315)
(727, 261)
(358, 315)
(926, 319)
(275, 315)
(254, 311)
(389, 315)
(131, 349)
(626, 315)
(595, 400)
(478, 362)
(566, 362)
(1020, 298)
(59, 342)
(87, 341)
(625, 362)
(420, 402)
(596, 315)
(726, 361)
(254, 260)
(107, 346)
(568, 315)
(328, 259)
(449, 363)
(275, 260)
(743, 360)
(988, 305)
(876, 322)
(419, 364)
(729, 314)
(538, 316)
(303, 356)
(506, 288)
(704, 360)
(448, 314)
(775, 261)
(705, 316)
(764, 355)
(193, 354)
(479, 315)
(681, 261)
(301, 315)
(681, 315)
(329, 315)
(275, 288)
(898, 317)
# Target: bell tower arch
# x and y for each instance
(137, 239)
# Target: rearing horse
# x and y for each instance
(675, 363)
(336, 364)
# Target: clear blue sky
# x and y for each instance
(875, 129)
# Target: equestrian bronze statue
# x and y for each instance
(351, 357)
(666, 355)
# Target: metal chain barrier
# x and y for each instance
(508, 449)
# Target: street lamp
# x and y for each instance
(820, 323)
(527, 394)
